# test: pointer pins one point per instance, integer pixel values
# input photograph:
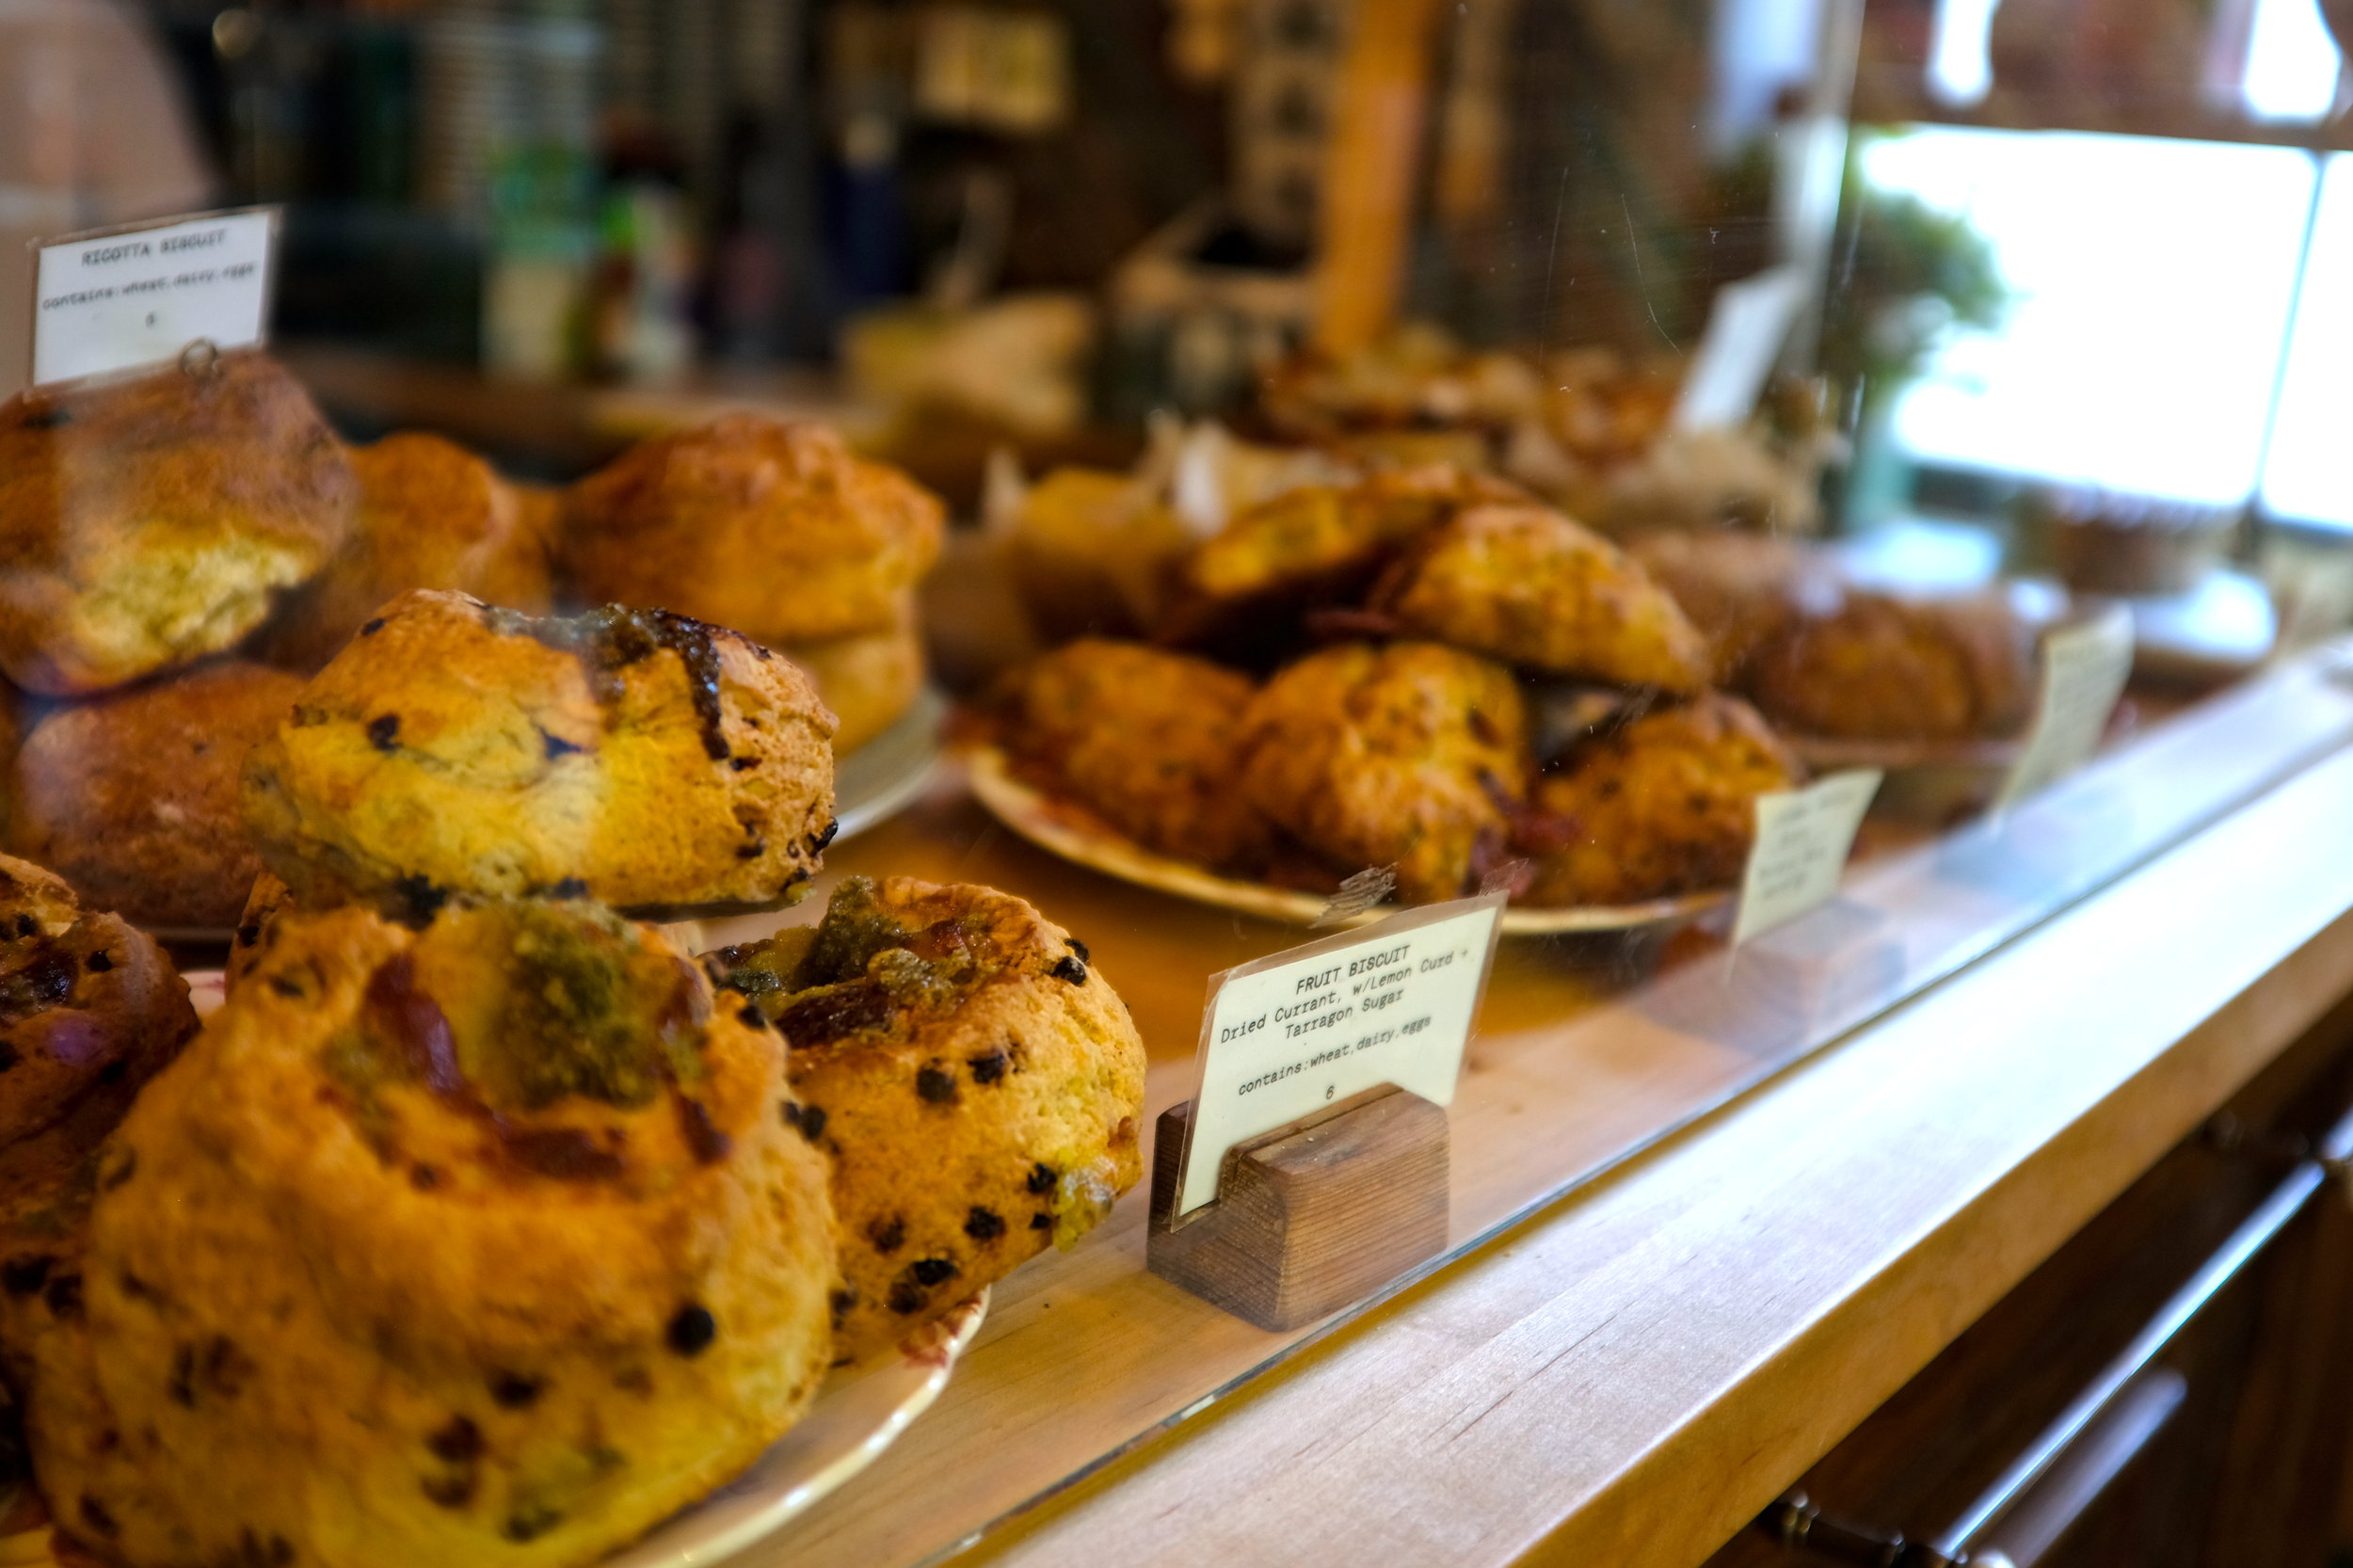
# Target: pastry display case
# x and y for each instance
(872, 781)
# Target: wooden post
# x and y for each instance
(1311, 1216)
(1369, 176)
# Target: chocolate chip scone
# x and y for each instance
(145, 524)
(486, 1242)
(89, 1010)
(631, 756)
(133, 796)
(978, 1085)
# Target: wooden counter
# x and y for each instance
(1627, 1377)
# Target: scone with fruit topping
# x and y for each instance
(635, 757)
(485, 1243)
(978, 1085)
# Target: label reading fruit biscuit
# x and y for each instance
(1802, 839)
(137, 297)
(1289, 1034)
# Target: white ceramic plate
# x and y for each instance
(1076, 835)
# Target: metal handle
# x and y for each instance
(2080, 1451)
(2066, 1491)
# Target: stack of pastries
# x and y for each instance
(179, 552)
(1373, 675)
(482, 1219)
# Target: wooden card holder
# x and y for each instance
(1310, 1216)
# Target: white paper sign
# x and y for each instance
(1746, 328)
(1289, 1034)
(1802, 839)
(134, 297)
(2084, 671)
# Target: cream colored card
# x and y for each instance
(130, 299)
(1292, 1032)
(1802, 839)
(2084, 671)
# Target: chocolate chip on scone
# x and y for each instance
(633, 756)
(978, 1085)
(145, 524)
(480, 1242)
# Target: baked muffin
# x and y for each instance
(1527, 585)
(868, 679)
(484, 1242)
(1662, 806)
(1318, 544)
(639, 758)
(977, 1084)
(89, 1010)
(1147, 740)
(1873, 666)
(771, 528)
(145, 524)
(1740, 590)
(1407, 755)
(132, 797)
(431, 515)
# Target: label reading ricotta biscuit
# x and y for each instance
(1289, 1034)
(1802, 839)
(137, 297)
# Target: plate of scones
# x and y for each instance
(466, 1212)
(1424, 672)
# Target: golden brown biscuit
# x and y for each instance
(1527, 585)
(431, 515)
(147, 523)
(1150, 740)
(868, 679)
(1325, 541)
(641, 758)
(1873, 666)
(132, 797)
(1404, 754)
(978, 1085)
(484, 1241)
(774, 529)
(1662, 806)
